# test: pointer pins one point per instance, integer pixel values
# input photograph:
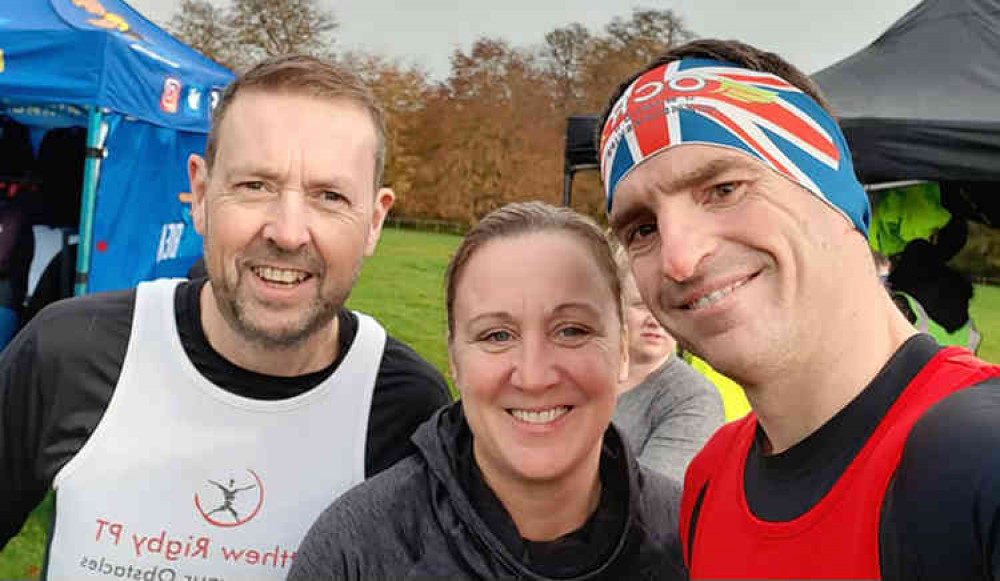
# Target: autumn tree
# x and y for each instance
(402, 90)
(489, 134)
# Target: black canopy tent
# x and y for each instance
(922, 102)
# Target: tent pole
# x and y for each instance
(88, 200)
(567, 192)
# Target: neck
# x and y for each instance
(545, 511)
(639, 370)
(799, 397)
(308, 356)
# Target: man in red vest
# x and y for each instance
(871, 451)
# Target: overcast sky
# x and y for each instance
(810, 33)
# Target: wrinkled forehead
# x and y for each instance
(678, 169)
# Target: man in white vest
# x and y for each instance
(194, 429)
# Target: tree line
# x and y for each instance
(492, 132)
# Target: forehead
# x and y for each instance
(265, 124)
(679, 168)
(538, 271)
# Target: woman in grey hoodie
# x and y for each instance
(525, 477)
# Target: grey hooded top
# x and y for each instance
(418, 521)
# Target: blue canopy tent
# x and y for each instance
(145, 100)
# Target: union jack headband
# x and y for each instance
(716, 103)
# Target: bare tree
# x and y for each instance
(201, 25)
(563, 55)
(265, 28)
(648, 33)
(246, 31)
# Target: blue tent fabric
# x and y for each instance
(60, 57)
(55, 51)
(142, 229)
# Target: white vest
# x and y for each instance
(183, 480)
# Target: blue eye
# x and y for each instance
(573, 332)
(500, 336)
(331, 196)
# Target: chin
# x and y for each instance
(539, 471)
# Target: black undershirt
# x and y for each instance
(236, 379)
(782, 487)
(571, 555)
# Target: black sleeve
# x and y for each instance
(941, 514)
(408, 390)
(56, 379)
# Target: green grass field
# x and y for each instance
(985, 311)
(402, 287)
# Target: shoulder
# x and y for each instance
(957, 429)
(403, 371)
(659, 519)
(661, 494)
(392, 494)
(687, 381)
(79, 327)
(940, 510)
(59, 373)
(678, 384)
(708, 460)
(376, 527)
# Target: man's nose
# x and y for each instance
(288, 225)
(685, 241)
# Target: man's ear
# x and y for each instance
(198, 178)
(383, 202)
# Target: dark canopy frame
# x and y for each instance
(922, 102)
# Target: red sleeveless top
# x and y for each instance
(838, 537)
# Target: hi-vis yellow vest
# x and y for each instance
(965, 336)
(734, 401)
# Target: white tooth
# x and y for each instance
(715, 296)
(539, 417)
(279, 274)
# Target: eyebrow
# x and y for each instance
(588, 308)
(249, 171)
(334, 182)
(689, 179)
(506, 317)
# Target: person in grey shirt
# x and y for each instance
(666, 410)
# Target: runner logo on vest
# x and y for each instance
(230, 502)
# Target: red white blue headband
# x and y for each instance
(716, 103)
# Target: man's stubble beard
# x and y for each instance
(314, 316)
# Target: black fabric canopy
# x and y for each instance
(923, 101)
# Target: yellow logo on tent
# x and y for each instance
(1, 60)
